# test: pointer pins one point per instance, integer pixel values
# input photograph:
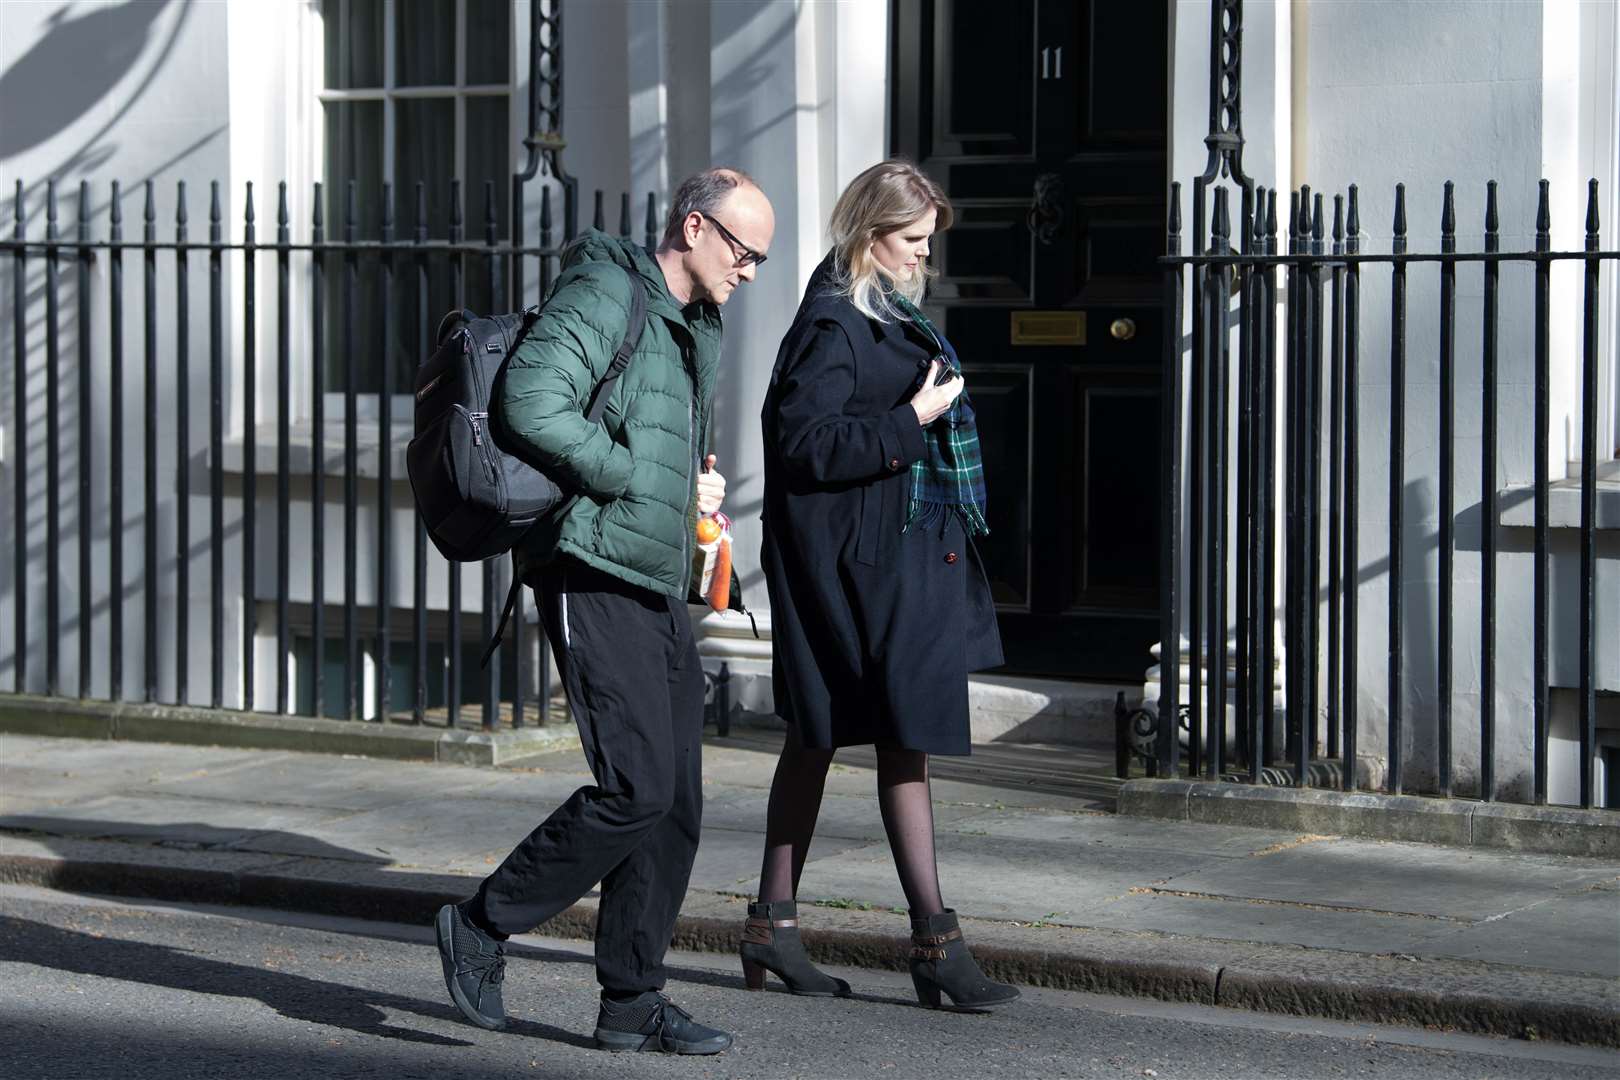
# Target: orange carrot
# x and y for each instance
(720, 584)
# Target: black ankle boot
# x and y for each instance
(770, 942)
(940, 961)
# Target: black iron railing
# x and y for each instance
(489, 267)
(1221, 572)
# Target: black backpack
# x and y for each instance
(476, 500)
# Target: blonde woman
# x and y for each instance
(879, 603)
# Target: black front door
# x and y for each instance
(1045, 122)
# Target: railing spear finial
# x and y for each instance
(1592, 214)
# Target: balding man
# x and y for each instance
(611, 572)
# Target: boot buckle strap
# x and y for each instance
(758, 931)
(919, 952)
(936, 939)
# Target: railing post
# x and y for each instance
(353, 667)
(283, 441)
(86, 447)
(216, 444)
(317, 479)
(1588, 540)
(1397, 484)
(53, 449)
(149, 437)
(1219, 308)
(492, 593)
(1313, 495)
(115, 408)
(1196, 507)
(1170, 501)
(1448, 478)
(1268, 487)
(425, 345)
(1336, 463)
(1293, 477)
(1489, 507)
(1243, 608)
(250, 422)
(1543, 398)
(19, 403)
(182, 452)
(1352, 490)
(384, 580)
(453, 570)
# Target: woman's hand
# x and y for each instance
(711, 487)
(932, 401)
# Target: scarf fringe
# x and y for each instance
(927, 515)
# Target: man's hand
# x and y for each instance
(711, 487)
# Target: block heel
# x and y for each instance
(770, 942)
(942, 963)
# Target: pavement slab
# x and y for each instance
(1053, 892)
(1402, 878)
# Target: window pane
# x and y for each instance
(353, 52)
(424, 151)
(487, 140)
(354, 132)
(425, 41)
(489, 41)
(353, 152)
(487, 173)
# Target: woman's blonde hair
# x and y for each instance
(885, 198)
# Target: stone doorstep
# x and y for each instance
(1470, 996)
(34, 715)
(1552, 830)
(1004, 709)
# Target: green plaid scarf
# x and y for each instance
(950, 477)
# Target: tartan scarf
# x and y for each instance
(950, 476)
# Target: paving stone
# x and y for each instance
(1469, 884)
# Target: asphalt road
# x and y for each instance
(104, 988)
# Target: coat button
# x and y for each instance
(894, 464)
(950, 556)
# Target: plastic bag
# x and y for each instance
(711, 561)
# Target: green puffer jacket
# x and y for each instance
(636, 471)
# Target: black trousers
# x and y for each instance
(630, 668)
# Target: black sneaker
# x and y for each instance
(653, 1022)
(474, 965)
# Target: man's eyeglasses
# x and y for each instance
(749, 256)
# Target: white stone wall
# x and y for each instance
(1421, 93)
(131, 92)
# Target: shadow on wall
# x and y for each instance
(99, 47)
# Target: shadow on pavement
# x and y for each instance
(185, 836)
(293, 996)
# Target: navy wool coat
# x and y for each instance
(874, 631)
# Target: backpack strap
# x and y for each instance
(512, 594)
(593, 413)
(621, 358)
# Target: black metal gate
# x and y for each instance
(1308, 385)
(398, 267)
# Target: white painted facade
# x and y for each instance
(796, 93)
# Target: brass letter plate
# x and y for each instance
(1048, 328)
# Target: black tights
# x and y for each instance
(904, 799)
